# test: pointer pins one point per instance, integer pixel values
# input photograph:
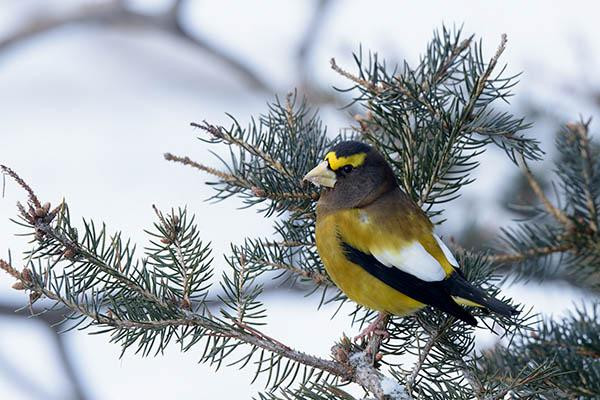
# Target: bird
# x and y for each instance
(380, 248)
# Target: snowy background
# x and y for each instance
(87, 110)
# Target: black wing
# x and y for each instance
(436, 294)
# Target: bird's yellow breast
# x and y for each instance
(361, 230)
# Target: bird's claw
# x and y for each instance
(374, 328)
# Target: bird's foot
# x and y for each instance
(374, 328)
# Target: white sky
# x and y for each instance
(87, 113)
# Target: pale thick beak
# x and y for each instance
(321, 175)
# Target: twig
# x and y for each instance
(494, 60)
(317, 277)
(255, 338)
(241, 277)
(579, 348)
(11, 372)
(68, 365)
(240, 182)
(472, 380)
(48, 318)
(160, 216)
(261, 335)
(374, 381)
(258, 192)
(530, 253)
(229, 178)
(580, 130)
(79, 250)
(353, 78)
(424, 353)
(312, 31)
(116, 13)
(32, 197)
(312, 90)
(220, 133)
(183, 269)
(482, 80)
(289, 113)
(419, 364)
(451, 58)
(306, 45)
(9, 269)
(288, 243)
(516, 382)
(464, 117)
(359, 369)
(535, 186)
(558, 215)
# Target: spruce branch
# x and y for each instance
(229, 178)
(589, 173)
(245, 334)
(558, 214)
(136, 303)
(355, 369)
(435, 119)
(317, 277)
(6, 267)
(240, 182)
(188, 319)
(530, 253)
(563, 354)
(561, 241)
(453, 58)
(220, 134)
(423, 354)
(443, 346)
(35, 202)
(465, 116)
(269, 158)
(421, 117)
(432, 121)
(359, 81)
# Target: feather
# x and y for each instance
(436, 293)
(447, 253)
(414, 260)
(461, 288)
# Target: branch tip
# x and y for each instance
(34, 201)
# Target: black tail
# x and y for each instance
(460, 287)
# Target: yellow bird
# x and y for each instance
(379, 247)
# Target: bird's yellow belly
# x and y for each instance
(353, 280)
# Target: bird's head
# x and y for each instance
(352, 175)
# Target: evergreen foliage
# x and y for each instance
(432, 121)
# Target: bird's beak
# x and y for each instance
(321, 175)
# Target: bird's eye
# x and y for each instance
(347, 168)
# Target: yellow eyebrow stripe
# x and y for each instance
(335, 162)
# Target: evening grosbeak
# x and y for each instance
(379, 247)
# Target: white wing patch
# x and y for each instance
(414, 260)
(447, 253)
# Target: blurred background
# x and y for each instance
(92, 93)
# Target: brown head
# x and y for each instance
(352, 175)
